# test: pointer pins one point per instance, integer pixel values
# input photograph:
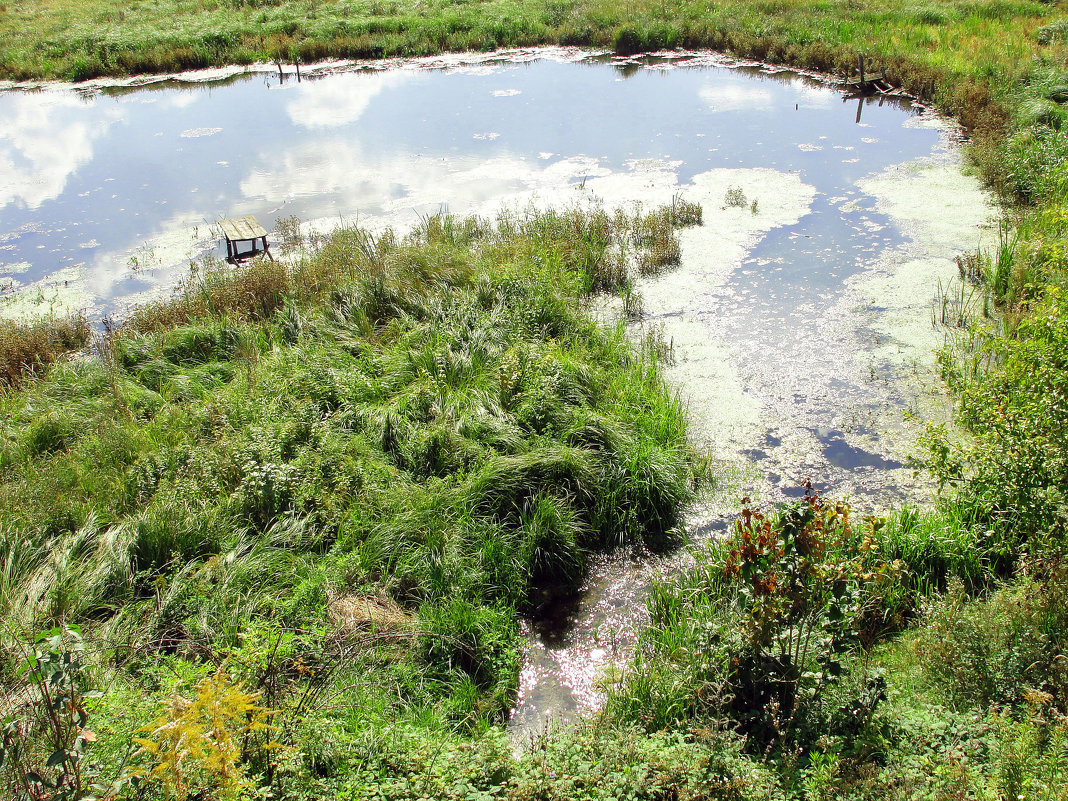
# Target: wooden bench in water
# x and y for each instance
(244, 229)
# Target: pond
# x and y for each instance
(802, 320)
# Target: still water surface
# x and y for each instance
(800, 320)
(115, 189)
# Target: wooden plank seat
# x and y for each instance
(239, 230)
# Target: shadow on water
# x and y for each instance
(849, 457)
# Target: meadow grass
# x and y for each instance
(919, 44)
(346, 474)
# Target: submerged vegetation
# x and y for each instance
(293, 514)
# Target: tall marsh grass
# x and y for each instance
(432, 420)
(30, 347)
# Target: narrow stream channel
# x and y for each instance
(800, 317)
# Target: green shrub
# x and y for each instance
(762, 632)
(45, 741)
(1010, 478)
(809, 588)
(602, 763)
(995, 651)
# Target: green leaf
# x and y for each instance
(33, 777)
(59, 756)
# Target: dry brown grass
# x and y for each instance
(251, 291)
(369, 614)
(27, 348)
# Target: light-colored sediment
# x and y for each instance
(57, 294)
(945, 214)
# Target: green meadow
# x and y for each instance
(273, 537)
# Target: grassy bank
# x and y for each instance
(959, 47)
(315, 496)
(859, 659)
(273, 540)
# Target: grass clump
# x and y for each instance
(735, 198)
(252, 291)
(30, 347)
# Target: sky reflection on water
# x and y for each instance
(118, 188)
